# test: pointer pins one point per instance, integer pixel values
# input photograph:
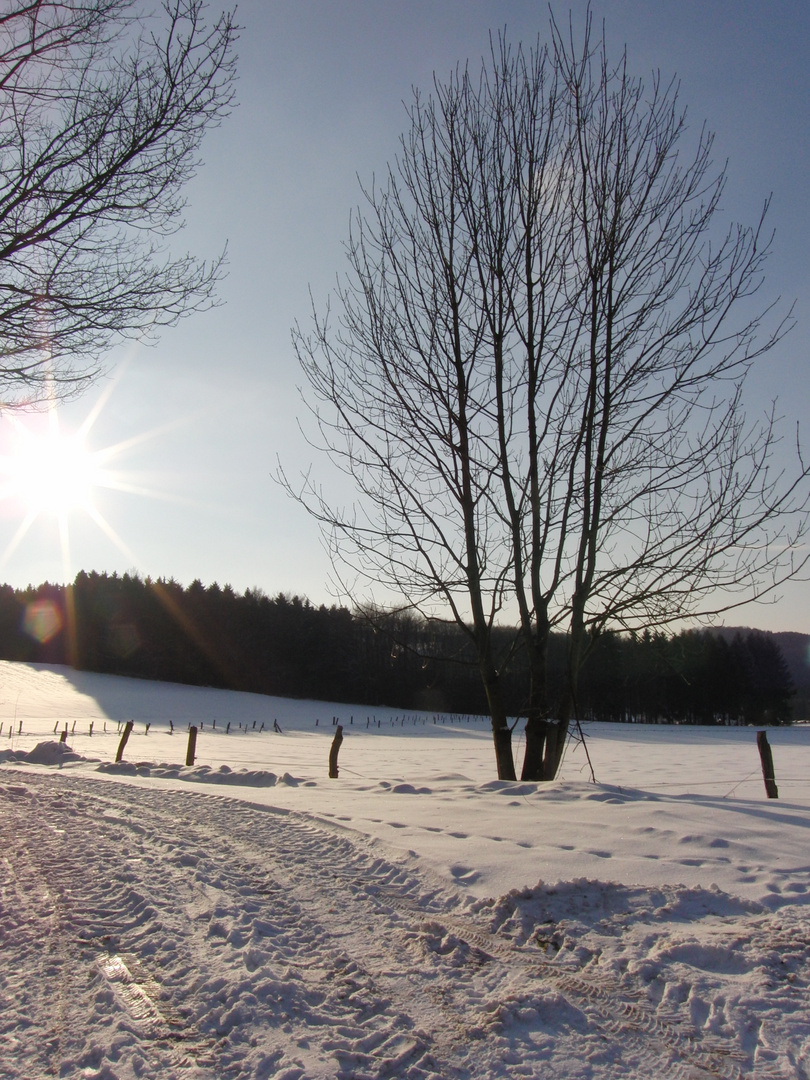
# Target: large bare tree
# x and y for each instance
(534, 369)
(103, 105)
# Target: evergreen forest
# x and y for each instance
(284, 645)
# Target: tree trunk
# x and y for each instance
(545, 741)
(501, 732)
(503, 752)
(537, 730)
(555, 744)
(557, 731)
(538, 726)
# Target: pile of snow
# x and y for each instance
(44, 753)
(199, 774)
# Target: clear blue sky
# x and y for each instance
(321, 89)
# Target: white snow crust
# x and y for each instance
(248, 917)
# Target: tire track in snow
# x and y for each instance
(603, 997)
(68, 875)
(209, 937)
(30, 938)
(380, 1029)
(140, 998)
(605, 1001)
(121, 905)
(598, 999)
(598, 996)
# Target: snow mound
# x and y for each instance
(585, 905)
(199, 774)
(204, 774)
(44, 753)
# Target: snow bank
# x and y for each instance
(199, 774)
(44, 753)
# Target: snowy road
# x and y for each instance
(150, 933)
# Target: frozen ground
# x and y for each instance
(413, 918)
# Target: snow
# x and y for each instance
(247, 916)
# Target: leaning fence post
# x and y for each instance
(192, 745)
(333, 753)
(766, 757)
(123, 743)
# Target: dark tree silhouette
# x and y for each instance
(102, 111)
(284, 645)
(533, 373)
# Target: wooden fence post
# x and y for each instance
(192, 745)
(122, 744)
(766, 757)
(333, 753)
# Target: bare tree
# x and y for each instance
(535, 375)
(102, 113)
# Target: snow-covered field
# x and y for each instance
(250, 917)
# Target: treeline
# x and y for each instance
(695, 677)
(286, 646)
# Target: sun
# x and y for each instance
(47, 471)
(51, 472)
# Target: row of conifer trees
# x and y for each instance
(286, 646)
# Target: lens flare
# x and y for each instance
(42, 620)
